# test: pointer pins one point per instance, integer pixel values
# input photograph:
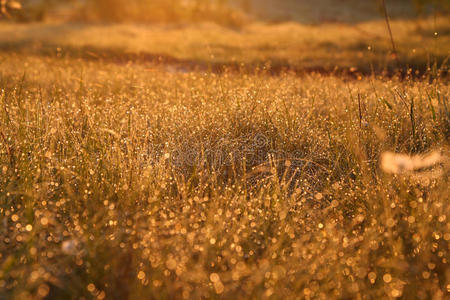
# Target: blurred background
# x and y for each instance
(225, 12)
(299, 35)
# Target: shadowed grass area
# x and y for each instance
(322, 11)
(125, 181)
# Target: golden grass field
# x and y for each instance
(198, 161)
(364, 47)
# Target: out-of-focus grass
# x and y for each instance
(363, 46)
(226, 12)
(319, 11)
(125, 181)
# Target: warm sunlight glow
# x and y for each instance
(224, 149)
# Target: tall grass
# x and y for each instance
(133, 182)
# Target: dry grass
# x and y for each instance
(363, 46)
(319, 11)
(233, 13)
(130, 181)
(193, 161)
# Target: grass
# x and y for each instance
(121, 182)
(226, 12)
(364, 47)
(347, 11)
(176, 162)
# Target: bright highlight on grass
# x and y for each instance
(402, 163)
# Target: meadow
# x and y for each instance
(208, 162)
